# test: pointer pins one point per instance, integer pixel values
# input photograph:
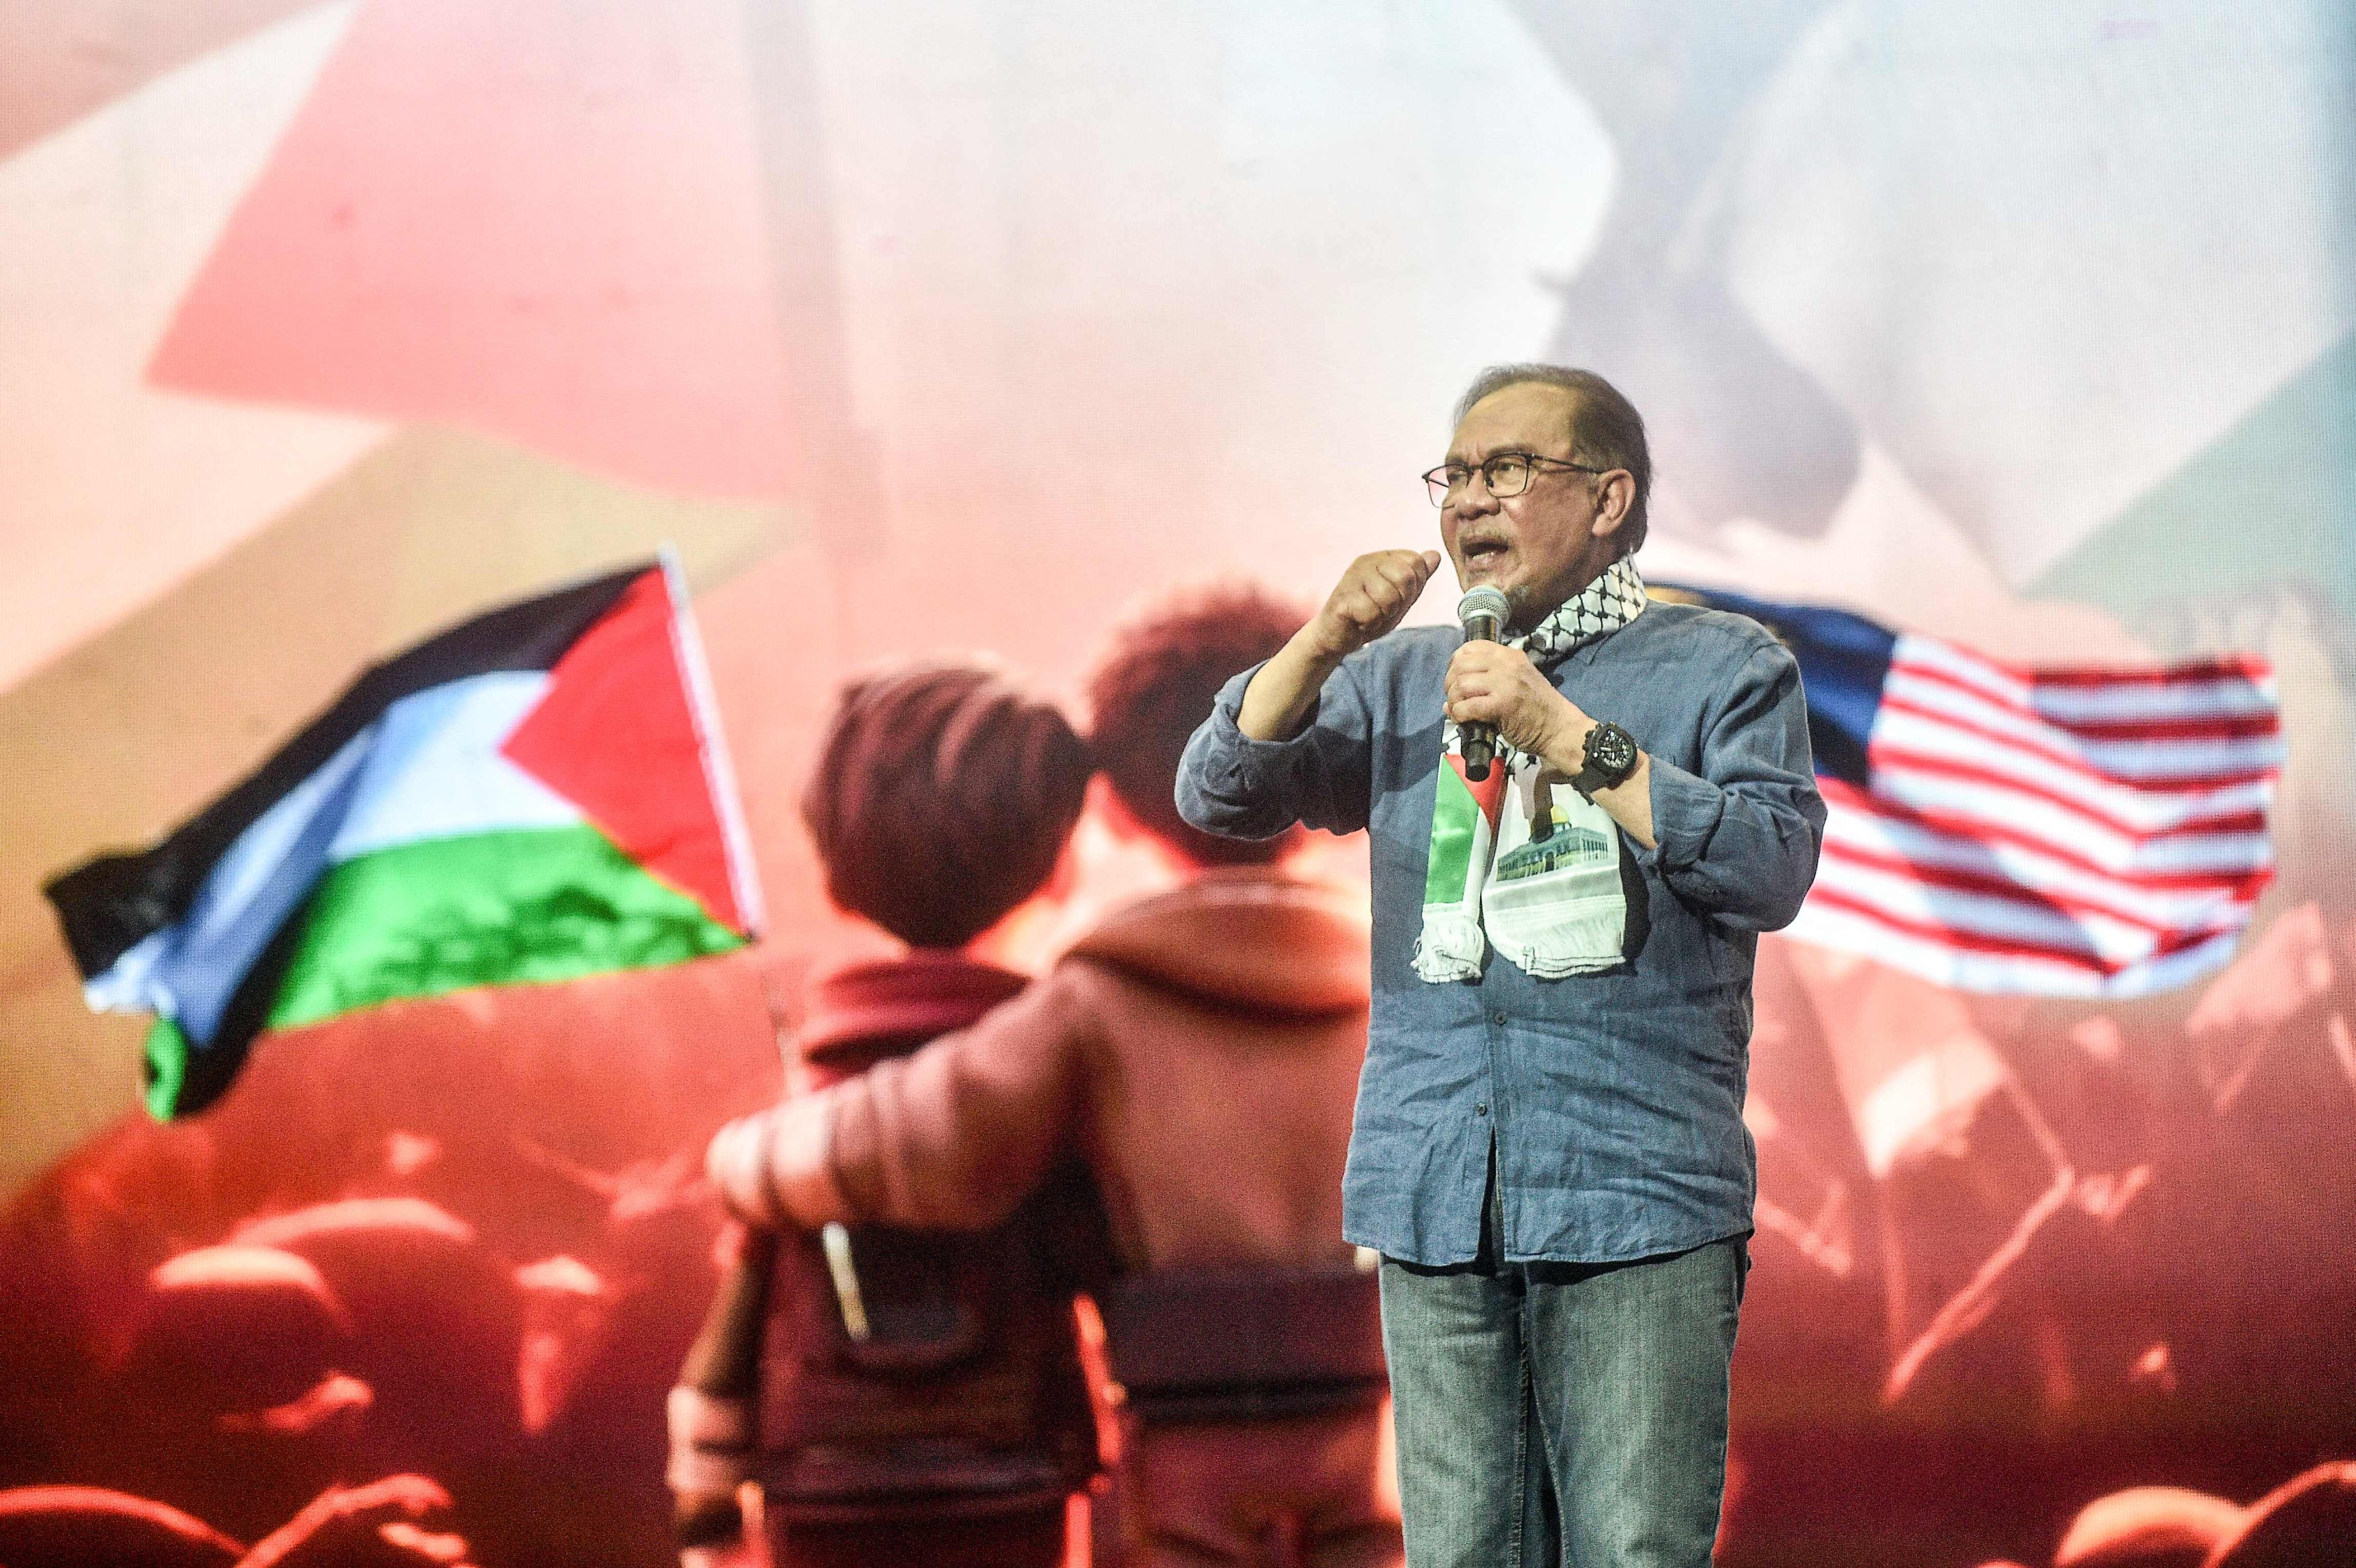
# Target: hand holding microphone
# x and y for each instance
(1482, 611)
(1497, 697)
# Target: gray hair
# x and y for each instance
(1605, 428)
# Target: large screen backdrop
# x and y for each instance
(928, 327)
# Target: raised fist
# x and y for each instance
(1373, 597)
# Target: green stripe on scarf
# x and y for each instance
(1454, 817)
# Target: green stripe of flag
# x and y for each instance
(520, 907)
(167, 1069)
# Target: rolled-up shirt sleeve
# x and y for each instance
(1739, 839)
(1236, 787)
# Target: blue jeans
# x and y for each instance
(1562, 1414)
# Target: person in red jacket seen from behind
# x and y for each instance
(904, 1397)
(1200, 1049)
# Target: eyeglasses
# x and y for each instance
(1506, 475)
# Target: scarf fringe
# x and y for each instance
(1451, 945)
(1584, 939)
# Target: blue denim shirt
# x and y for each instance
(1614, 1099)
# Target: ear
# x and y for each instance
(1616, 495)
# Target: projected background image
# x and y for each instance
(929, 328)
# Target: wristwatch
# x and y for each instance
(1609, 759)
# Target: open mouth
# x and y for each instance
(1482, 551)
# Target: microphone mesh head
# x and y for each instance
(1483, 603)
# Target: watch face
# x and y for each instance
(1610, 749)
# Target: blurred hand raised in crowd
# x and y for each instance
(372, 1526)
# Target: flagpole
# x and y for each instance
(711, 740)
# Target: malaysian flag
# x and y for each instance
(2051, 832)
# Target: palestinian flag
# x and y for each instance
(538, 794)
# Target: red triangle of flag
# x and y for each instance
(1489, 794)
(616, 735)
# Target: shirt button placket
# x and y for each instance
(1497, 1020)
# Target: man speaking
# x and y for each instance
(1549, 1150)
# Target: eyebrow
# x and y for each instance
(1510, 451)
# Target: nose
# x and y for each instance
(1473, 500)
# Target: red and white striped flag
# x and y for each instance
(2043, 832)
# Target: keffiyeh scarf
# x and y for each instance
(1521, 859)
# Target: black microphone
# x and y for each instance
(1482, 611)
